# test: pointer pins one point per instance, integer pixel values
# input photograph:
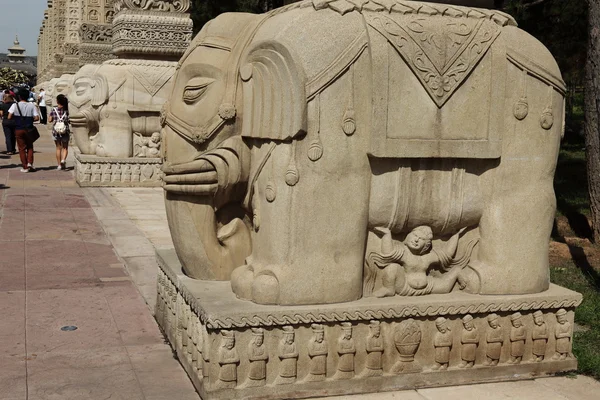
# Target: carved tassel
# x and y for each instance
(349, 120)
(271, 188)
(547, 118)
(315, 148)
(521, 109)
(292, 176)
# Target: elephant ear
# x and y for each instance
(99, 90)
(274, 93)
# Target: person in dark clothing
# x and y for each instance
(8, 125)
(24, 114)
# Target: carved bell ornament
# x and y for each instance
(521, 109)
(547, 119)
(315, 150)
(271, 192)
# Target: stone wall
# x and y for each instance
(74, 33)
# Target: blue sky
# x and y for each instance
(22, 17)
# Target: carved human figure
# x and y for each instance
(258, 356)
(346, 350)
(405, 265)
(518, 334)
(147, 147)
(563, 335)
(374, 365)
(317, 351)
(539, 336)
(228, 360)
(494, 339)
(470, 341)
(442, 342)
(288, 354)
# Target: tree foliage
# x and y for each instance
(11, 77)
(205, 10)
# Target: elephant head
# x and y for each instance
(89, 95)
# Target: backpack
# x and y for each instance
(60, 127)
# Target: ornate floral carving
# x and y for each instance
(95, 33)
(441, 58)
(154, 5)
(407, 338)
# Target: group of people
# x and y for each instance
(18, 114)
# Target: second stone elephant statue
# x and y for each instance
(294, 138)
(113, 103)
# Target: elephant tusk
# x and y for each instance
(199, 190)
(186, 168)
(199, 178)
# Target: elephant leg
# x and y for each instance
(517, 220)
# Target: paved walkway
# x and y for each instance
(85, 258)
(58, 269)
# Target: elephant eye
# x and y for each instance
(195, 89)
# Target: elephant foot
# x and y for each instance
(261, 287)
(241, 282)
(265, 289)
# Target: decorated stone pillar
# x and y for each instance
(116, 113)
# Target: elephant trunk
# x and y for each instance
(204, 202)
(84, 124)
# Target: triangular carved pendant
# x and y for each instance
(440, 51)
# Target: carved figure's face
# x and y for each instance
(229, 343)
(155, 137)
(418, 240)
(82, 91)
(376, 332)
(347, 335)
(561, 319)
(517, 323)
(259, 340)
(494, 324)
(319, 337)
(538, 320)
(289, 338)
(468, 325)
(443, 328)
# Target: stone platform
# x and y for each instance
(93, 171)
(233, 349)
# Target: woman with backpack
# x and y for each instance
(60, 131)
(24, 114)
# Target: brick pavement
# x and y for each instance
(58, 269)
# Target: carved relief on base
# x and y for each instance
(321, 348)
(104, 171)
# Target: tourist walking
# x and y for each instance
(24, 114)
(61, 130)
(8, 125)
(42, 105)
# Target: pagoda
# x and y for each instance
(16, 53)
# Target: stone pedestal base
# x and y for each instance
(92, 171)
(234, 349)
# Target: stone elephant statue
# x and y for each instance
(117, 101)
(292, 138)
(63, 85)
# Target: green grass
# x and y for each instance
(586, 344)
